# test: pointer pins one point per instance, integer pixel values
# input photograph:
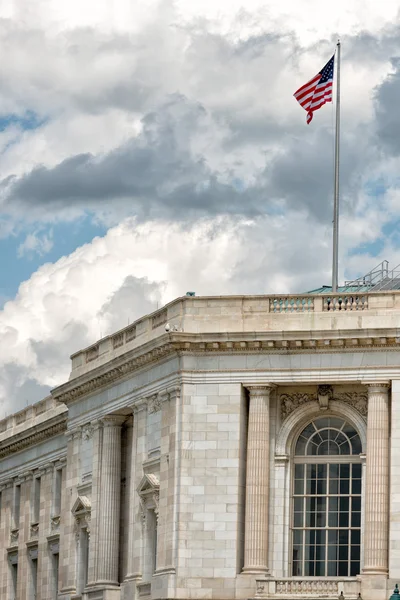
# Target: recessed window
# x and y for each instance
(326, 502)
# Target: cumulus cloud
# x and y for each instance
(134, 268)
(36, 243)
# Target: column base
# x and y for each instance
(374, 584)
(259, 571)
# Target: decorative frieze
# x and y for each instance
(178, 342)
(30, 439)
(325, 393)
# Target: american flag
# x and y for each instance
(317, 91)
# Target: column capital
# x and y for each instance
(261, 389)
(112, 420)
(379, 386)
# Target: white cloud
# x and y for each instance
(36, 243)
(103, 285)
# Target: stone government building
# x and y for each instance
(220, 448)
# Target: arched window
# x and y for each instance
(326, 525)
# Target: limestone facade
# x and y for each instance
(221, 448)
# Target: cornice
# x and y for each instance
(228, 343)
(33, 435)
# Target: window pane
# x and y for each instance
(320, 537)
(320, 552)
(356, 471)
(332, 553)
(332, 569)
(355, 553)
(297, 553)
(349, 430)
(298, 504)
(309, 568)
(354, 568)
(308, 431)
(343, 568)
(319, 568)
(356, 445)
(334, 486)
(356, 504)
(321, 486)
(343, 519)
(310, 537)
(334, 471)
(322, 471)
(343, 552)
(296, 569)
(343, 504)
(333, 519)
(297, 537)
(355, 537)
(356, 519)
(298, 519)
(344, 471)
(301, 447)
(311, 471)
(344, 448)
(344, 486)
(298, 471)
(356, 486)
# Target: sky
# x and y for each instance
(152, 148)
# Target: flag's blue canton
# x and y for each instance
(327, 71)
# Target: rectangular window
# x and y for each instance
(150, 546)
(83, 560)
(57, 492)
(36, 500)
(55, 569)
(13, 576)
(34, 573)
(17, 505)
(326, 519)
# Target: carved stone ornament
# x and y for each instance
(14, 537)
(82, 512)
(289, 402)
(325, 393)
(149, 495)
(154, 404)
(87, 432)
(356, 400)
(34, 532)
(55, 524)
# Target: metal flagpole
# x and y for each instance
(336, 187)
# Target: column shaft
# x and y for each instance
(377, 481)
(257, 482)
(109, 513)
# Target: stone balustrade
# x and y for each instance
(202, 314)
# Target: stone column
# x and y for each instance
(257, 482)
(377, 481)
(109, 505)
(132, 571)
